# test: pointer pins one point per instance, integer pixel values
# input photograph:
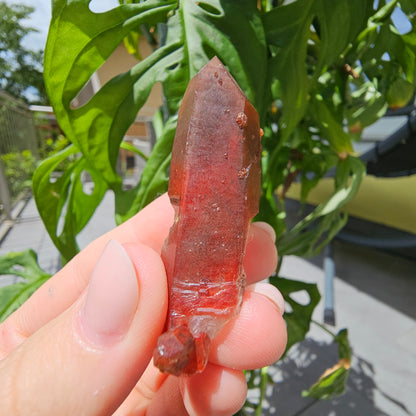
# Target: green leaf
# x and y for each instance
(384, 12)
(299, 318)
(334, 380)
(231, 30)
(198, 31)
(154, 179)
(311, 241)
(131, 43)
(288, 30)
(344, 348)
(234, 32)
(97, 127)
(409, 7)
(330, 128)
(133, 149)
(368, 105)
(114, 107)
(384, 54)
(269, 211)
(25, 266)
(314, 166)
(348, 178)
(63, 204)
(329, 386)
(335, 37)
(314, 231)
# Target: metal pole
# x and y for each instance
(329, 267)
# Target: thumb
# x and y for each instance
(88, 359)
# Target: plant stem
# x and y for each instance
(263, 385)
(323, 327)
(131, 148)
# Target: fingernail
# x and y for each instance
(268, 290)
(266, 227)
(112, 297)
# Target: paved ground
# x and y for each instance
(27, 231)
(375, 296)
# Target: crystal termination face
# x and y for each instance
(214, 188)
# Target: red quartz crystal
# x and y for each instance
(214, 188)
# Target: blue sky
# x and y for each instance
(42, 14)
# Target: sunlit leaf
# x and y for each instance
(330, 128)
(314, 231)
(63, 204)
(333, 381)
(97, 127)
(154, 179)
(299, 318)
(288, 29)
(331, 384)
(344, 348)
(131, 42)
(24, 265)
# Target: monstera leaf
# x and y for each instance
(196, 32)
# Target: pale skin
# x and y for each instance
(82, 344)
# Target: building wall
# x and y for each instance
(387, 201)
(121, 61)
(140, 133)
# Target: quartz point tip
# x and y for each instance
(214, 188)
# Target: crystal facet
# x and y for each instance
(214, 188)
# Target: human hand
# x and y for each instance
(82, 344)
